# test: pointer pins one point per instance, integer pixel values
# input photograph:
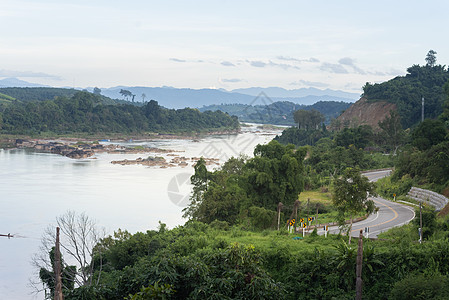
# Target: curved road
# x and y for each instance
(390, 214)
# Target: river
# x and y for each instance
(36, 187)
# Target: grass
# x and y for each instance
(273, 240)
(316, 196)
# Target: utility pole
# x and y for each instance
(308, 202)
(297, 203)
(279, 214)
(57, 267)
(359, 282)
(420, 222)
(422, 109)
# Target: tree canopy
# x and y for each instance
(407, 91)
(350, 194)
(85, 112)
(273, 175)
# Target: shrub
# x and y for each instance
(421, 286)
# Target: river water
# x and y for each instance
(36, 187)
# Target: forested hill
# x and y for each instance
(407, 91)
(27, 94)
(86, 112)
(278, 113)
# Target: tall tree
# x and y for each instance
(308, 119)
(274, 175)
(391, 131)
(97, 91)
(125, 93)
(431, 58)
(428, 133)
(350, 195)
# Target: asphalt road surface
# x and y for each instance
(390, 214)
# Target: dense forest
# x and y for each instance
(407, 91)
(280, 112)
(31, 94)
(87, 112)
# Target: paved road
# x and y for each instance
(390, 214)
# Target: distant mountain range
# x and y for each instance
(14, 82)
(183, 97)
(296, 93)
(179, 98)
(278, 113)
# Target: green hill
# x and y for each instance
(29, 94)
(278, 113)
(407, 91)
(5, 98)
(86, 112)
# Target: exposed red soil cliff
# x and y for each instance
(364, 112)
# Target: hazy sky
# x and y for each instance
(222, 44)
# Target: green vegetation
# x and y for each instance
(280, 112)
(423, 162)
(248, 190)
(351, 193)
(86, 112)
(406, 92)
(308, 119)
(228, 250)
(200, 261)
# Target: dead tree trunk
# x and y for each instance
(57, 267)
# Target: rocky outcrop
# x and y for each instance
(150, 161)
(161, 162)
(83, 150)
(364, 112)
(79, 154)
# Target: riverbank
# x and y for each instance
(8, 141)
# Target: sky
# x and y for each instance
(218, 44)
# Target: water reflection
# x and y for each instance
(36, 187)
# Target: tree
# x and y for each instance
(274, 175)
(444, 117)
(97, 91)
(391, 131)
(125, 93)
(350, 195)
(308, 119)
(79, 236)
(48, 276)
(143, 97)
(431, 59)
(199, 180)
(428, 133)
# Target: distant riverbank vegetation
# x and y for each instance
(87, 113)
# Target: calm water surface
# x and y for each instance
(36, 187)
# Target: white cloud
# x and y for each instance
(11, 73)
(231, 80)
(177, 60)
(333, 68)
(310, 83)
(257, 63)
(347, 61)
(227, 64)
